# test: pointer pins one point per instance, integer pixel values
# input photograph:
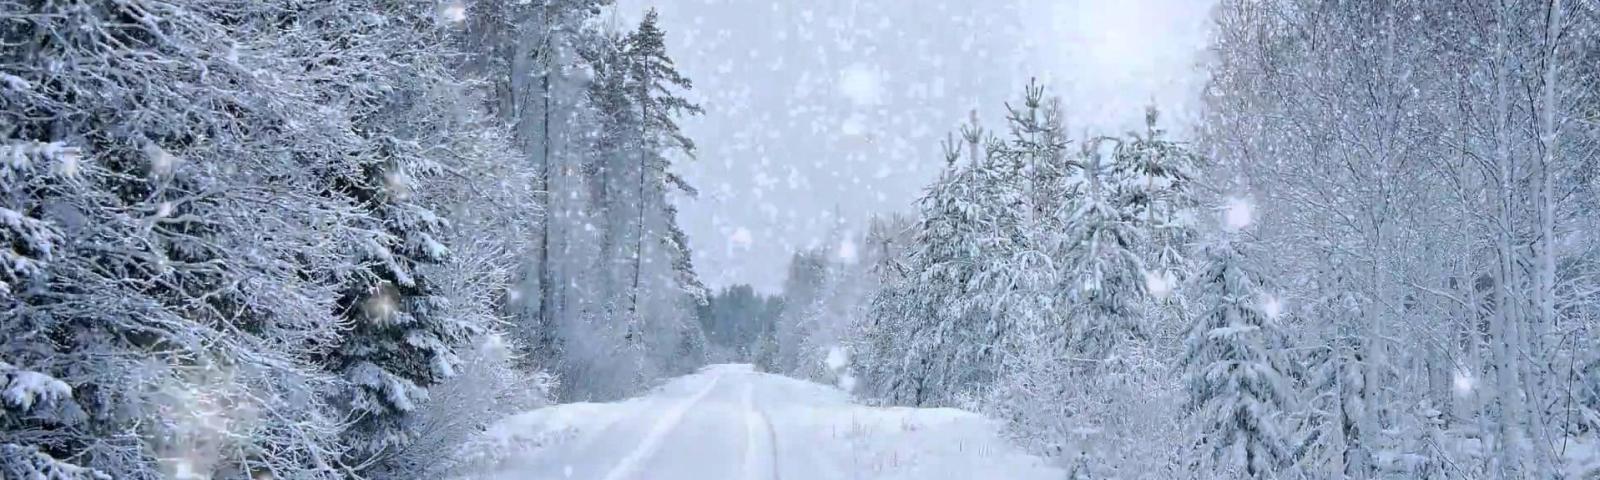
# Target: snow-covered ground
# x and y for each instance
(731, 422)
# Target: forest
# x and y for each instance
(308, 239)
(253, 239)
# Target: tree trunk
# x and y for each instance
(1503, 345)
(644, 159)
(547, 297)
(1545, 293)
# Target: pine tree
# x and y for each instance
(1234, 383)
(1335, 382)
(1029, 191)
(878, 337)
(609, 291)
(804, 290)
(930, 311)
(652, 79)
(31, 398)
(1155, 180)
(528, 57)
(400, 341)
(1104, 270)
(186, 243)
(694, 346)
(612, 144)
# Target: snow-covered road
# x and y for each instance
(731, 422)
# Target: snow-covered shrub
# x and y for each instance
(489, 386)
(28, 463)
(28, 395)
(21, 390)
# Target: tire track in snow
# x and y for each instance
(807, 450)
(658, 432)
(760, 440)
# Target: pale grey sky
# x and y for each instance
(817, 106)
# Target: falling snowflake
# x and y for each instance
(453, 12)
(847, 251)
(383, 303)
(1464, 382)
(184, 469)
(838, 358)
(161, 162)
(1159, 284)
(862, 85)
(1238, 214)
(397, 185)
(493, 346)
(853, 126)
(68, 158)
(1272, 307)
(741, 238)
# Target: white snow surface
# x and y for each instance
(731, 422)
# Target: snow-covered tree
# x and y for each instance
(1234, 382)
(640, 291)
(927, 309)
(29, 463)
(190, 202)
(1023, 290)
(654, 87)
(185, 273)
(28, 397)
(805, 292)
(735, 320)
(1105, 273)
(400, 339)
(1416, 143)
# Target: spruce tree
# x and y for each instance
(931, 309)
(1334, 380)
(1235, 386)
(1104, 271)
(400, 341)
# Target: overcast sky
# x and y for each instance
(823, 106)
